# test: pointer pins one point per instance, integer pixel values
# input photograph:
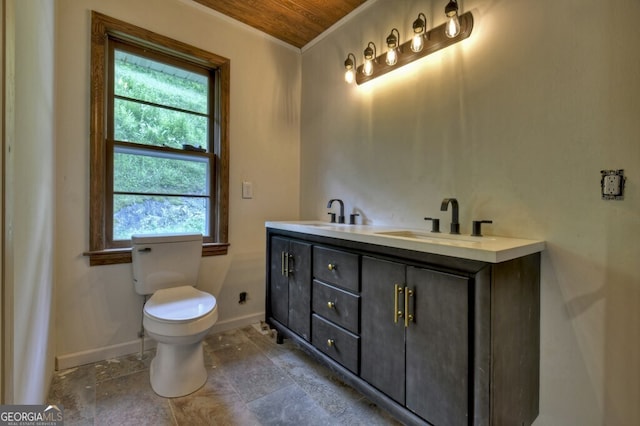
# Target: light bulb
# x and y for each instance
(452, 27)
(392, 57)
(419, 32)
(417, 43)
(393, 41)
(367, 69)
(369, 57)
(349, 76)
(350, 67)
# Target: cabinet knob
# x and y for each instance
(332, 266)
(331, 305)
(330, 342)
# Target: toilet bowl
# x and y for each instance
(178, 319)
(177, 315)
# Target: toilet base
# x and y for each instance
(177, 370)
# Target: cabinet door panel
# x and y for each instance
(279, 282)
(382, 340)
(300, 288)
(437, 351)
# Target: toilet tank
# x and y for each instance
(164, 261)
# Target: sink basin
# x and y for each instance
(432, 236)
(324, 225)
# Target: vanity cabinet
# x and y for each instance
(289, 295)
(415, 342)
(433, 339)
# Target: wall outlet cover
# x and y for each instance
(612, 184)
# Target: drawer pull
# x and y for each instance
(332, 266)
(397, 289)
(331, 305)
(282, 267)
(289, 262)
(330, 342)
(285, 267)
(408, 317)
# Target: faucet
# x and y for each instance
(455, 226)
(341, 217)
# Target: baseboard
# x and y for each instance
(106, 352)
(234, 323)
(100, 354)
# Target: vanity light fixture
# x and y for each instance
(423, 43)
(452, 27)
(369, 59)
(393, 42)
(419, 32)
(350, 67)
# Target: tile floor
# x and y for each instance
(252, 381)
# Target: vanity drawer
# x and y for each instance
(336, 342)
(336, 305)
(337, 267)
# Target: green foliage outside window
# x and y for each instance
(178, 98)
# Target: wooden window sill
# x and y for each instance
(123, 255)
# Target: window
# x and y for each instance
(159, 145)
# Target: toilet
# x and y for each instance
(177, 315)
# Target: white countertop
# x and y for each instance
(487, 248)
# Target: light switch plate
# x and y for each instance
(247, 190)
(612, 184)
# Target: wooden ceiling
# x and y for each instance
(296, 22)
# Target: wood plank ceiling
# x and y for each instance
(296, 22)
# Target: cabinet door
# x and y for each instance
(382, 339)
(300, 288)
(437, 347)
(279, 281)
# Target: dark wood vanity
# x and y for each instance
(433, 339)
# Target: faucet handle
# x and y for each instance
(352, 218)
(477, 227)
(333, 217)
(435, 224)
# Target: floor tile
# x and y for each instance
(116, 367)
(252, 381)
(75, 390)
(289, 406)
(332, 394)
(129, 400)
(216, 403)
(251, 372)
(225, 339)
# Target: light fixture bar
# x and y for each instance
(435, 40)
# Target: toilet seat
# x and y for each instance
(179, 304)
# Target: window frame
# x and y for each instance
(104, 29)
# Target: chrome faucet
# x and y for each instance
(455, 226)
(341, 216)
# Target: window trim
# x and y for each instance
(102, 29)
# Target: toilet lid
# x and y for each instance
(179, 304)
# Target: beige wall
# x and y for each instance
(30, 229)
(98, 310)
(516, 122)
